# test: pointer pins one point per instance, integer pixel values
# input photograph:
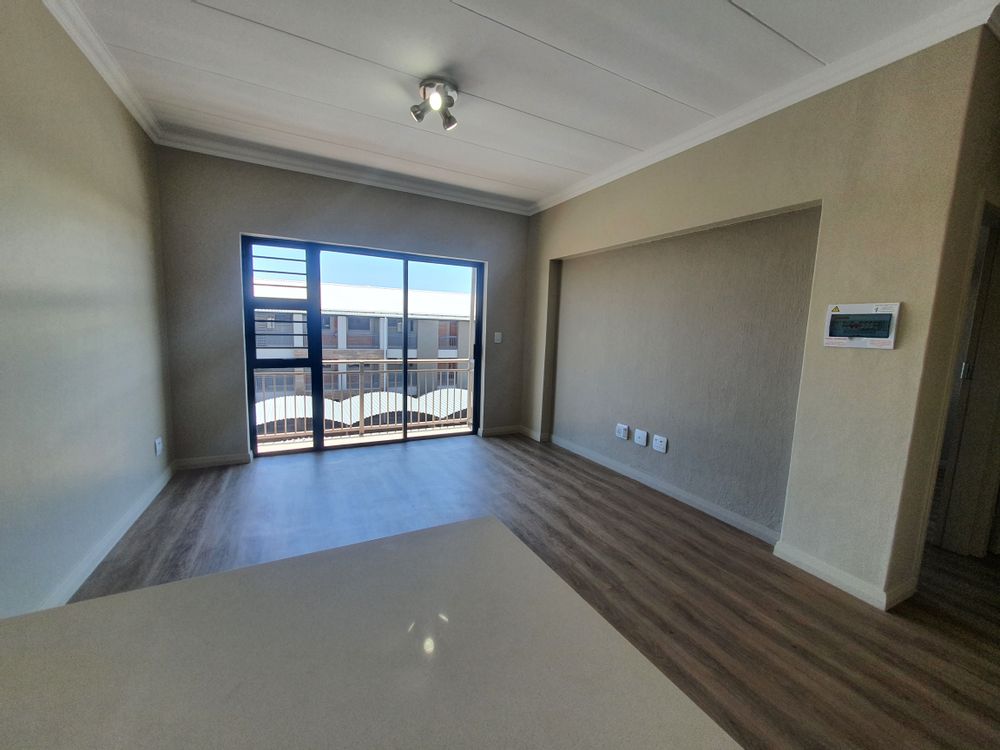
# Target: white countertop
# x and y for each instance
(453, 637)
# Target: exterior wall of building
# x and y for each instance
(337, 346)
(427, 339)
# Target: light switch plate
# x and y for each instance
(158, 446)
(498, 337)
(659, 444)
(621, 431)
(641, 437)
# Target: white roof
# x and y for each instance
(349, 299)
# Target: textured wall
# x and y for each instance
(208, 202)
(698, 338)
(81, 377)
(881, 154)
(977, 182)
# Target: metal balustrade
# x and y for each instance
(363, 399)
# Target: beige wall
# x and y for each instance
(881, 155)
(977, 183)
(81, 380)
(208, 202)
(698, 338)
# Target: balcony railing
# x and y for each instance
(447, 342)
(364, 399)
(283, 406)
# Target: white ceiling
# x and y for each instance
(557, 96)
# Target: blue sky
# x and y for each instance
(368, 270)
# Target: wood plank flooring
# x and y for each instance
(776, 657)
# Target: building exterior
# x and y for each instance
(362, 345)
(362, 330)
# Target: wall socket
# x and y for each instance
(158, 446)
(621, 431)
(641, 437)
(659, 444)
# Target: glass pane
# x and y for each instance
(281, 334)
(362, 300)
(395, 330)
(279, 272)
(441, 305)
(283, 408)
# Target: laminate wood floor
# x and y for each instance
(776, 657)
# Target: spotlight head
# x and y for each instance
(438, 95)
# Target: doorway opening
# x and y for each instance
(961, 564)
(347, 346)
(963, 513)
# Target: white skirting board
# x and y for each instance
(863, 590)
(515, 429)
(705, 506)
(205, 462)
(900, 592)
(541, 437)
(511, 429)
(82, 570)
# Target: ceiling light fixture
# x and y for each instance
(437, 95)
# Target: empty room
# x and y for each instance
(511, 374)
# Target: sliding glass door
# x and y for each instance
(348, 346)
(440, 365)
(362, 386)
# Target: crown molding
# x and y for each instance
(83, 34)
(76, 25)
(948, 23)
(251, 153)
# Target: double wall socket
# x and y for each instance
(621, 431)
(659, 444)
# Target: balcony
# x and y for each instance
(363, 401)
(447, 342)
